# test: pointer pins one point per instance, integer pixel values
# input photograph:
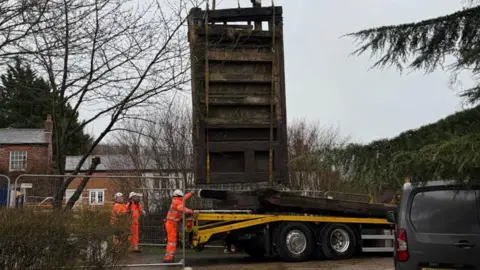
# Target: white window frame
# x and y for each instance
(19, 155)
(97, 192)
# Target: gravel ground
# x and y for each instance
(216, 260)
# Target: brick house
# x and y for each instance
(25, 151)
(101, 189)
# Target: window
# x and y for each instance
(445, 211)
(18, 160)
(96, 196)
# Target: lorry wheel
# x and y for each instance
(295, 242)
(338, 241)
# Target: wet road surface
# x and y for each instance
(217, 260)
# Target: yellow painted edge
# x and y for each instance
(242, 217)
(227, 217)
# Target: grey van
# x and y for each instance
(437, 227)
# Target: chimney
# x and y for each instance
(49, 124)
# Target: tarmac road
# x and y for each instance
(217, 260)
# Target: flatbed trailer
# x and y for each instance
(291, 237)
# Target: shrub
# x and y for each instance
(54, 239)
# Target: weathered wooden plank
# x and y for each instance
(240, 89)
(239, 14)
(240, 146)
(239, 134)
(240, 78)
(238, 100)
(247, 56)
(241, 67)
(238, 126)
(227, 33)
(216, 121)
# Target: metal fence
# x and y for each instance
(156, 199)
(156, 194)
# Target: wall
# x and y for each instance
(37, 157)
(110, 185)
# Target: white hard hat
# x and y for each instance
(118, 194)
(134, 194)
(178, 193)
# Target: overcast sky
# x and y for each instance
(325, 84)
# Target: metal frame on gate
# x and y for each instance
(184, 184)
(8, 188)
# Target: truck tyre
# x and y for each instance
(338, 241)
(295, 242)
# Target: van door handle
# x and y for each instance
(464, 244)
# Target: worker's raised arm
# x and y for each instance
(187, 196)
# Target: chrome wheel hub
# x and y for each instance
(340, 240)
(296, 242)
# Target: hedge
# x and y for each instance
(53, 239)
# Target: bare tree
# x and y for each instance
(112, 57)
(160, 144)
(312, 161)
(18, 20)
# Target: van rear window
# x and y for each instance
(445, 211)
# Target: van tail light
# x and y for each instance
(402, 246)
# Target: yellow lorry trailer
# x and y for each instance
(295, 236)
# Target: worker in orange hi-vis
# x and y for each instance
(174, 217)
(119, 209)
(135, 209)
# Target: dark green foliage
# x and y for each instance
(425, 45)
(449, 148)
(457, 158)
(25, 101)
(446, 149)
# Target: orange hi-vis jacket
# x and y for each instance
(177, 208)
(136, 211)
(117, 210)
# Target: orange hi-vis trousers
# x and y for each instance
(134, 235)
(171, 227)
(136, 209)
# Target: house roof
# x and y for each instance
(112, 163)
(23, 136)
(108, 163)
